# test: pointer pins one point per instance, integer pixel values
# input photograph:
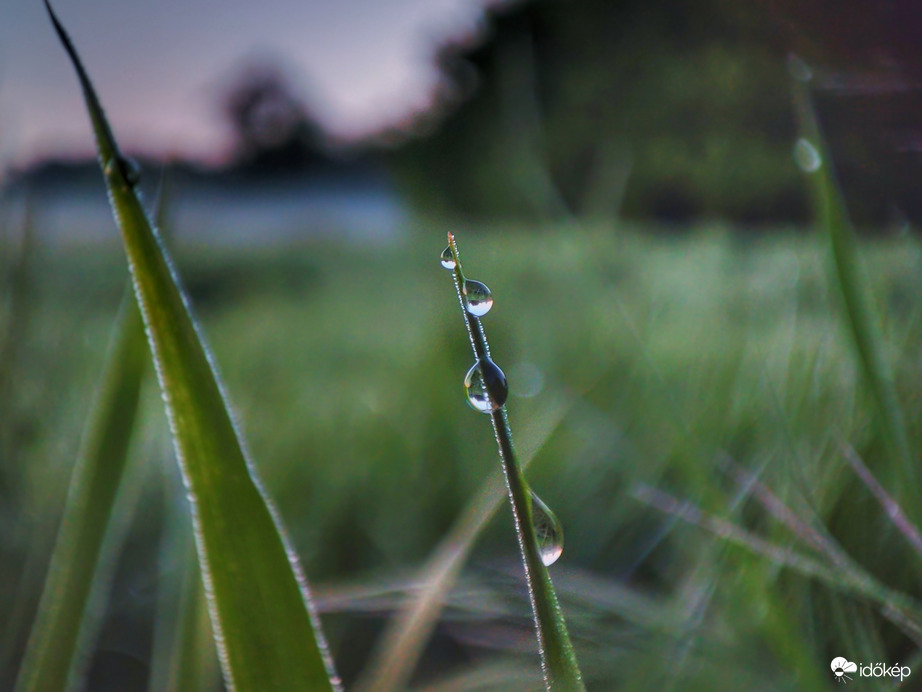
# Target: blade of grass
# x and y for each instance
(890, 506)
(53, 643)
(814, 159)
(410, 628)
(183, 657)
(558, 659)
(852, 581)
(266, 629)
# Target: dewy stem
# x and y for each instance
(558, 659)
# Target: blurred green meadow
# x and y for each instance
(639, 363)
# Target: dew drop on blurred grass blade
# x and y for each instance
(548, 531)
(447, 258)
(486, 387)
(806, 156)
(477, 298)
(126, 166)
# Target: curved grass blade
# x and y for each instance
(267, 632)
(558, 659)
(402, 643)
(813, 157)
(52, 650)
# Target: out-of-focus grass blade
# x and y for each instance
(267, 633)
(403, 641)
(53, 644)
(855, 581)
(813, 157)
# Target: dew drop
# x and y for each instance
(131, 170)
(447, 258)
(548, 531)
(477, 298)
(806, 156)
(486, 386)
(126, 166)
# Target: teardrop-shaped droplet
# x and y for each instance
(447, 258)
(548, 531)
(486, 386)
(806, 156)
(477, 298)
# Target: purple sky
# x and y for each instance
(159, 66)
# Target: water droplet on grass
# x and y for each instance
(126, 166)
(477, 298)
(447, 258)
(806, 156)
(548, 531)
(486, 386)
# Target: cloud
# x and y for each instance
(846, 666)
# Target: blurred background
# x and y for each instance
(620, 173)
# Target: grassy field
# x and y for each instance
(642, 363)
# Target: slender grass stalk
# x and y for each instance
(852, 579)
(53, 645)
(266, 630)
(558, 659)
(891, 507)
(409, 629)
(18, 288)
(813, 157)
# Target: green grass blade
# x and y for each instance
(558, 658)
(267, 632)
(53, 644)
(403, 642)
(183, 657)
(813, 157)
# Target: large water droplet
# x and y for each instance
(806, 156)
(447, 258)
(548, 531)
(477, 298)
(486, 386)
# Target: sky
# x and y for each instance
(160, 67)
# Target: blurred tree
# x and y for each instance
(274, 130)
(672, 109)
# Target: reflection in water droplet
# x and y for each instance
(486, 386)
(548, 531)
(447, 258)
(477, 298)
(806, 156)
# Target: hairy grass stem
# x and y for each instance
(558, 658)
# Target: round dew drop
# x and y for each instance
(486, 387)
(477, 298)
(447, 258)
(548, 531)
